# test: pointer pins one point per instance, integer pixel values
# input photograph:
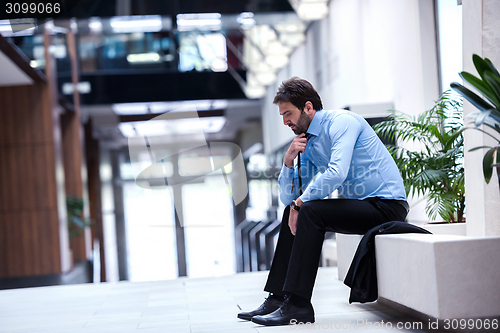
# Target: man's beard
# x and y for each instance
(302, 124)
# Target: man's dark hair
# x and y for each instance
(298, 91)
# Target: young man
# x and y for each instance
(351, 158)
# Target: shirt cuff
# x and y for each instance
(286, 171)
(304, 197)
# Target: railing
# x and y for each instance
(255, 244)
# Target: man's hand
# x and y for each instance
(298, 145)
(292, 221)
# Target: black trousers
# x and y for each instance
(296, 259)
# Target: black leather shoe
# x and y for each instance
(287, 314)
(269, 305)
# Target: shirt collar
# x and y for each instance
(315, 125)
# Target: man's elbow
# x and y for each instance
(286, 202)
(285, 199)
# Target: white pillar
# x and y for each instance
(481, 35)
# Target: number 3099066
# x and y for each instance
(32, 8)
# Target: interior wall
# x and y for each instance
(382, 51)
(481, 36)
(365, 52)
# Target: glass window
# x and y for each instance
(150, 228)
(209, 227)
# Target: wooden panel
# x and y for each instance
(28, 240)
(72, 154)
(30, 218)
(3, 244)
(24, 115)
(27, 175)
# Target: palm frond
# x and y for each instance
(436, 170)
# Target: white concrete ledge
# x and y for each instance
(442, 276)
(346, 249)
(329, 253)
(446, 228)
(347, 244)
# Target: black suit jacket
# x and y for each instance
(362, 275)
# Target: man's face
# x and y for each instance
(297, 120)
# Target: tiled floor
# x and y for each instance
(183, 305)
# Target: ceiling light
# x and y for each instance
(147, 23)
(309, 10)
(37, 63)
(143, 58)
(73, 25)
(277, 48)
(209, 21)
(246, 20)
(266, 49)
(245, 15)
(290, 27)
(261, 66)
(83, 88)
(254, 88)
(153, 128)
(277, 61)
(265, 38)
(265, 78)
(262, 35)
(254, 92)
(58, 51)
(162, 107)
(129, 108)
(292, 39)
(95, 24)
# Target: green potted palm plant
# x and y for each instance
(488, 84)
(436, 171)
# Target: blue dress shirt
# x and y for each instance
(343, 147)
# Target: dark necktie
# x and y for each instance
(300, 175)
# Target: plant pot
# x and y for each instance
(446, 228)
(444, 222)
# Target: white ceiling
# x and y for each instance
(11, 74)
(239, 114)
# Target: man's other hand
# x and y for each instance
(297, 146)
(292, 221)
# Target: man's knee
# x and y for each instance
(308, 213)
(306, 208)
